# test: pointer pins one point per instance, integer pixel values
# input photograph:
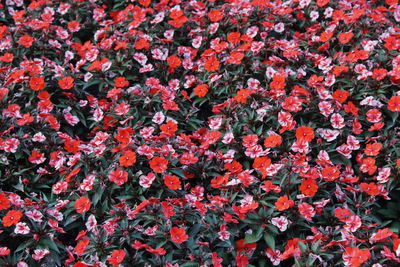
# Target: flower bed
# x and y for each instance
(199, 133)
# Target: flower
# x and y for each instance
(273, 140)
(172, 182)
(178, 235)
(4, 251)
(37, 83)
(283, 203)
(127, 159)
(159, 164)
(4, 202)
(304, 133)
(82, 204)
(345, 37)
(12, 218)
(394, 104)
(26, 41)
(354, 257)
(66, 83)
(201, 90)
(309, 187)
(118, 176)
(116, 257)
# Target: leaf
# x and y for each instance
(24, 245)
(254, 237)
(49, 243)
(269, 239)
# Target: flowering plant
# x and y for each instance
(199, 133)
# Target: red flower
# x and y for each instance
(211, 64)
(330, 173)
(127, 159)
(273, 140)
(26, 41)
(305, 133)
(234, 167)
(243, 247)
(178, 235)
(12, 218)
(172, 182)
(4, 202)
(159, 164)
(261, 164)
(169, 128)
(82, 205)
(201, 90)
(173, 61)
(215, 15)
(116, 257)
(118, 176)
(66, 83)
(354, 257)
(322, 3)
(340, 95)
(394, 104)
(37, 83)
(345, 37)
(371, 189)
(81, 246)
(4, 251)
(309, 187)
(121, 82)
(283, 203)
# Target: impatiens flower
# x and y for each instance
(345, 37)
(353, 223)
(40, 254)
(394, 104)
(306, 210)
(4, 202)
(330, 173)
(36, 157)
(281, 222)
(127, 159)
(12, 218)
(37, 83)
(370, 188)
(380, 235)
(26, 41)
(283, 203)
(309, 187)
(82, 204)
(159, 164)
(169, 128)
(305, 133)
(223, 234)
(178, 235)
(273, 256)
(21, 228)
(354, 257)
(66, 83)
(116, 257)
(4, 251)
(201, 90)
(340, 95)
(172, 182)
(273, 140)
(118, 176)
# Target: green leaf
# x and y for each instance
(270, 240)
(24, 245)
(254, 237)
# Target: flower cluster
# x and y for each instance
(199, 133)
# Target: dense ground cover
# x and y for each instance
(199, 133)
